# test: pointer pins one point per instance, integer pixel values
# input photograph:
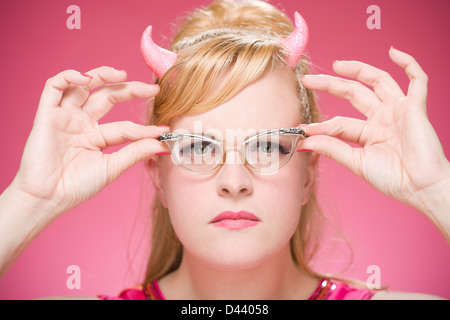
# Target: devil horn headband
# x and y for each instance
(160, 60)
(296, 42)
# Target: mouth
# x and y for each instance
(235, 220)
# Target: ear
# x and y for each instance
(153, 167)
(311, 173)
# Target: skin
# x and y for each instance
(239, 257)
(400, 155)
(63, 166)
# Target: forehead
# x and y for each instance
(271, 102)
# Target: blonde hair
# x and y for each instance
(238, 40)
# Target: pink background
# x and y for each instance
(106, 237)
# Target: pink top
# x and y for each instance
(328, 289)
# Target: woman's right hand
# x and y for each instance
(63, 163)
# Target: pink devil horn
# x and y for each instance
(296, 42)
(158, 59)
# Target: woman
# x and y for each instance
(221, 226)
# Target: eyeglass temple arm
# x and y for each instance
(295, 130)
(169, 136)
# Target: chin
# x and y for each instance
(235, 253)
(237, 258)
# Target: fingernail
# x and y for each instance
(164, 127)
(304, 150)
(162, 154)
(86, 75)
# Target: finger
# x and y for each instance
(131, 154)
(348, 129)
(54, 87)
(334, 149)
(116, 133)
(361, 97)
(101, 101)
(76, 96)
(383, 85)
(418, 78)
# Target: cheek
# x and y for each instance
(287, 196)
(288, 193)
(291, 180)
(185, 198)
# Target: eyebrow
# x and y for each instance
(203, 134)
(211, 136)
(207, 135)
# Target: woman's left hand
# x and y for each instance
(400, 153)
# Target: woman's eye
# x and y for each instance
(198, 148)
(281, 147)
(268, 147)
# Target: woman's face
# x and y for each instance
(194, 201)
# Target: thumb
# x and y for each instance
(334, 149)
(133, 153)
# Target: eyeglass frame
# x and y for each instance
(172, 136)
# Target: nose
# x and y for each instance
(234, 178)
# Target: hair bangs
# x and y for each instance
(210, 71)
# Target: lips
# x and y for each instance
(235, 220)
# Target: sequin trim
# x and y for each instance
(152, 291)
(323, 290)
(328, 289)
